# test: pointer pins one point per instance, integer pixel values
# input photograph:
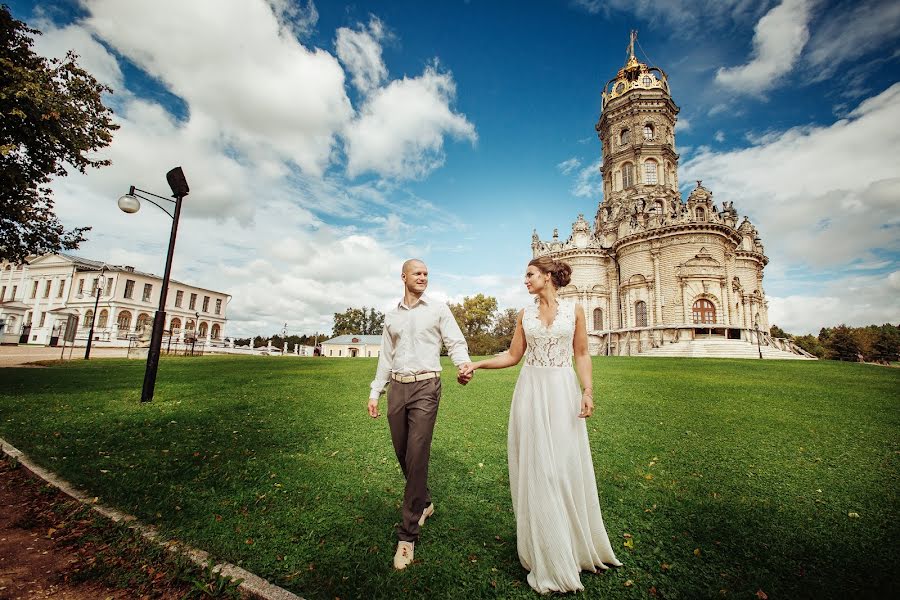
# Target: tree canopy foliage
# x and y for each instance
(873, 343)
(361, 321)
(51, 115)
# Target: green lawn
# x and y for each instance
(731, 476)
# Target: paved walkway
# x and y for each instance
(15, 356)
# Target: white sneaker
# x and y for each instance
(429, 510)
(404, 555)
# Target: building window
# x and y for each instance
(13, 295)
(598, 319)
(330, 352)
(190, 325)
(109, 284)
(47, 286)
(43, 318)
(648, 132)
(650, 172)
(102, 319)
(175, 325)
(3, 294)
(88, 317)
(647, 81)
(704, 311)
(203, 329)
(124, 320)
(205, 303)
(701, 214)
(28, 318)
(81, 286)
(640, 313)
(34, 290)
(94, 285)
(62, 286)
(143, 322)
(625, 137)
(129, 288)
(148, 290)
(179, 298)
(218, 306)
(628, 175)
(193, 302)
(216, 330)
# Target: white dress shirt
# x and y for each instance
(411, 341)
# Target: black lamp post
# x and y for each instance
(87, 350)
(130, 203)
(756, 326)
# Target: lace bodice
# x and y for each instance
(549, 347)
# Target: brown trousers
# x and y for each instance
(412, 411)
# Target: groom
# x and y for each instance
(410, 361)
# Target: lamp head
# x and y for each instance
(177, 182)
(129, 203)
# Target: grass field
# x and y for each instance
(729, 477)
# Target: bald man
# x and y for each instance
(410, 361)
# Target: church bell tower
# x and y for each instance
(637, 133)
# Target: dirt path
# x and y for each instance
(53, 547)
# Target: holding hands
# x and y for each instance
(465, 374)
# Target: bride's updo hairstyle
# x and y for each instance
(560, 272)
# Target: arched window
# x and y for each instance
(175, 325)
(640, 313)
(216, 331)
(625, 137)
(647, 81)
(190, 325)
(102, 318)
(203, 329)
(650, 172)
(704, 311)
(627, 175)
(598, 319)
(124, 320)
(648, 132)
(88, 317)
(143, 322)
(701, 214)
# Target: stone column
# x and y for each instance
(684, 318)
(658, 320)
(729, 302)
(615, 318)
(722, 287)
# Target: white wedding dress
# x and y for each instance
(559, 527)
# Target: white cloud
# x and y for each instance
(589, 183)
(401, 127)
(92, 56)
(681, 17)
(243, 71)
(292, 13)
(719, 136)
(567, 166)
(682, 124)
(360, 51)
(823, 198)
(855, 301)
(777, 42)
(853, 30)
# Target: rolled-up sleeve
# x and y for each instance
(385, 361)
(453, 338)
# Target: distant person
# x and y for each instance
(410, 361)
(559, 528)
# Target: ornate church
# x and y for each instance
(651, 270)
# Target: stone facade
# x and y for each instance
(352, 346)
(652, 268)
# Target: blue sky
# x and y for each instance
(325, 142)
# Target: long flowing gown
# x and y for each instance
(559, 528)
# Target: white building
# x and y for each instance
(37, 297)
(352, 346)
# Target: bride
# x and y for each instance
(559, 528)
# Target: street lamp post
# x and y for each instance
(100, 282)
(130, 203)
(756, 326)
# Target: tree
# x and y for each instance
(504, 328)
(778, 332)
(887, 344)
(51, 115)
(811, 344)
(842, 344)
(358, 321)
(475, 314)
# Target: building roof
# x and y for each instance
(371, 340)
